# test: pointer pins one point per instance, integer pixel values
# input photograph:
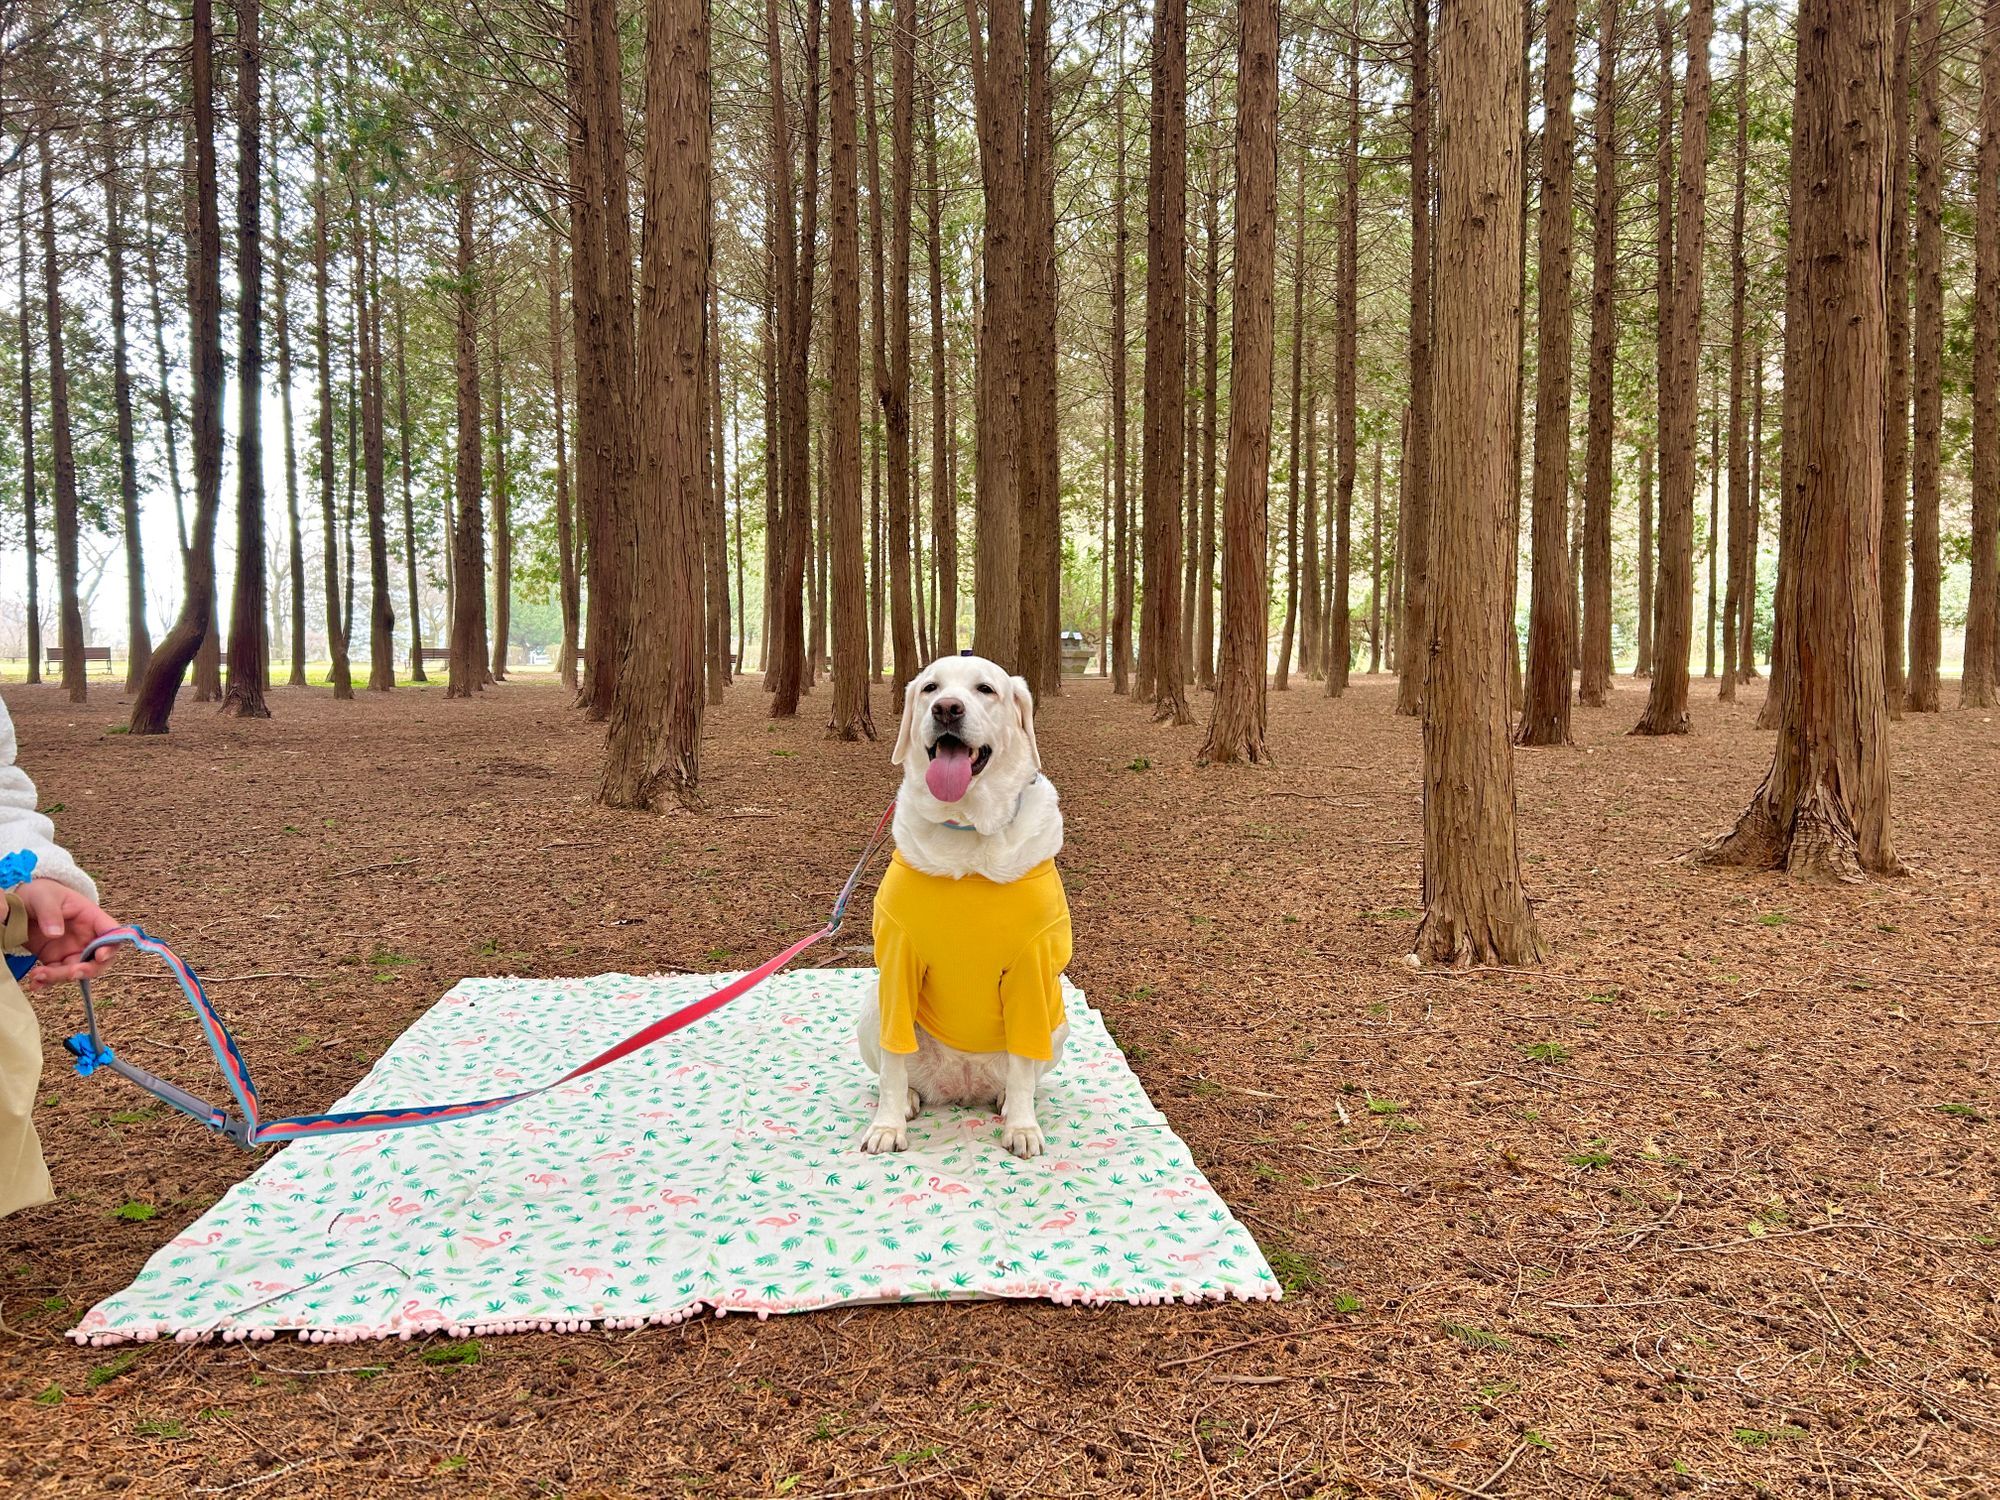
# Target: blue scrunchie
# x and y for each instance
(17, 868)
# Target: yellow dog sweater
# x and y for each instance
(977, 965)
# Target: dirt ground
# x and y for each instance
(1708, 1205)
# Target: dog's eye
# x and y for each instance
(930, 687)
(986, 688)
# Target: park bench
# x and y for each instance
(435, 653)
(90, 654)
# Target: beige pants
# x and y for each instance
(24, 1176)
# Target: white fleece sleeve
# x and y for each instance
(22, 825)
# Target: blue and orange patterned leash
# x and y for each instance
(249, 1129)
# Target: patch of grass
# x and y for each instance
(826, 1429)
(462, 1352)
(1962, 1112)
(1546, 1052)
(1346, 1302)
(130, 1116)
(1387, 1106)
(102, 1374)
(1139, 763)
(53, 1305)
(451, 1463)
(1478, 1338)
(1493, 1390)
(158, 1427)
(1774, 918)
(1758, 1437)
(915, 1455)
(718, 955)
(1205, 1087)
(1265, 1172)
(1608, 998)
(50, 1395)
(134, 1212)
(1597, 1156)
(388, 958)
(1296, 1272)
(304, 1044)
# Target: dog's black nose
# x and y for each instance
(948, 711)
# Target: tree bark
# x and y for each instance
(62, 447)
(797, 233)
(1346, 380)
(567, 584)
(1673, 625)
(895, 389)
(1545, 713)
(1823, 810)
(1921, 693)
(1166, 375)
(1739, 478)
(30, 519)
(467, 669)
(1594, 681)
(653, 750)
(851, 717)
(1413, 535)
(339, 673)
(154, 704)
(1475, 910)
(1236, 724)
(1294, 435)
(295, 532)
(1663, 325)
(1896, 392)
(249, 649)
(495, 652)
(944, 484)
(999, 74)
(1038, 654)
(1211, 385)
(1980, 685)
(410, 545)
(138, 641)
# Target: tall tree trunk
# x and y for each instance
(1475, 910)
(1166, 374)
(417, 673)
(1236, 725)
(773, 536)
(154, 703)
(903, 611)
(1294, 435)
(1663, 325)
(944, 495)
(1673, 626)
(1739, 477)
(1823, 810)
(339, 673)
(1594, 682)
(999, 73)
(1312, 597)
(62, 445)
(1346, 380)
(1981, 682)
(1375, 612)
(503, 527)
(138, 642)
(653, 751)
(1746, 630)
(565, 509)
(249, 650)
(1121, 610)
(716, 498)
(851, 717)
(1927, 370)
(797, 234)
(1039, 656)
(1413, 535)
(1545, 713)
(381, 608)
(1210, 392)
(1714, 523)
(30, 540)
(295, 531)
(1896, 393)
(468, 669)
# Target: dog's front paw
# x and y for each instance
(883, 1137)
(1024, 1141)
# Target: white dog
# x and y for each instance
(971, 926)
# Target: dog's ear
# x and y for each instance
(1024, 710)
(906, 734)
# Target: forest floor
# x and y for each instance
(1707, 1205)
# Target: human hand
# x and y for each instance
(61, 924)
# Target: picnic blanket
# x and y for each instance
(716, 1171)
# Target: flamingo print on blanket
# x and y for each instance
(717, 1172)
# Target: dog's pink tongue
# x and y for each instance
(949, 773)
